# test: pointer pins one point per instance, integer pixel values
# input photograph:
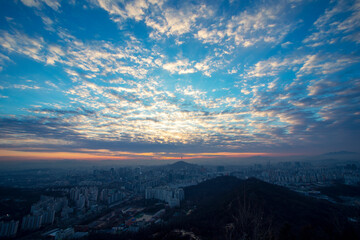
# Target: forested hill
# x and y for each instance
(255, 207)
(230, 208)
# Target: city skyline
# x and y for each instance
(152, 79)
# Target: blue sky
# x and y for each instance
(160, 79)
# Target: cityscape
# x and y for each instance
(71, 204)
(179, 119)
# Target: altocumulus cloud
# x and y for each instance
(179, 76)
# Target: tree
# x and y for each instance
(248, 220)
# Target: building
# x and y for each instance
(110, 196)
(80, 202)
(8, 229)
(48, 217)
(172, 196)
(220, 168)
(31, 222)
(64, 234)
(59, 234)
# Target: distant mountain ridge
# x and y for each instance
(339, 153)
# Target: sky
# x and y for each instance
(157, 79)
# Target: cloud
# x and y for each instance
(31, 3)
(24, 87)
(179, 67)
(182, 66)
(160, 17)
(104, 58)
(51, 84)
(175, 22)
(22, 44)
(48, 22)
(319, 87)
(262, 24)
(325, 31)
(54, 4)
(189, 91)
(273, 66)
(144, 112)
(94, 58)
(136, 9)
(159, 121)
(323, 65)
(137, 91)
(3, 59)
(209, 65)
(55, 53)
(302, 65)
(20, 86)
(245, 91)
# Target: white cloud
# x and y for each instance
(317, 86)
(179, 67)
(208, 66)
(178, 22)
(286, 44)
(104, 58)
(301, 65)
(210, 36)
(54, 54)
(31, 3)
(93, 58)
(272, 85)
(262, 24)
(54, 4)
(323, 65)
(245, 91)
(131, 9)
(48, 22)
(332, 26)
(3, 59)
(22, 44)
(51, 84)
(273, 66)
(190, 91)
(136, 9)
(135, 105)
(162, 19)
(24, 87)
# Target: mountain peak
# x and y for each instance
(182, 164)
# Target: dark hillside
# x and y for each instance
(339, 190)
(229, 208)
(16, 202)
(222, 200)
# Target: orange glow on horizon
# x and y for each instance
(56, 155)
(104, 154)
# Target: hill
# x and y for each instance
(230, 208)
(261, 210)
(180, 165)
